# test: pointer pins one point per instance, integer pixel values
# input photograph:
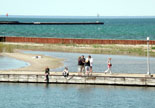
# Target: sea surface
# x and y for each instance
(18, 95)
(113, 28)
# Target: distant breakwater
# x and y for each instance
(50, 23)
(72, 41)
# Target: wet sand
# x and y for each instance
(36, 64)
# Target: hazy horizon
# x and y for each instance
(63, 16)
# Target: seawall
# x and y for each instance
(72, 41)
(124, 80)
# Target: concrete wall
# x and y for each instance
(73, 79)
(72, 41)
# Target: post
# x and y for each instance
(98, 18)
(148, 59)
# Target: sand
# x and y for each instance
(36, 64)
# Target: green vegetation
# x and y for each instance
(1, 47)
(136, 50)
(6, 48)
(153, 47)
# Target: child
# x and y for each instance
(109, 66)
(65, 73)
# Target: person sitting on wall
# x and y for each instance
(65, 72)
(47, 72)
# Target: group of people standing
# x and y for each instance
(85, 65)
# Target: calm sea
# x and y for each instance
(17, 95)
(113, 28)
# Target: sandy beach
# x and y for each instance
(38, 63)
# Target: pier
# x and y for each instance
(73, 78)
(49, 23)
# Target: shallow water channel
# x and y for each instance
(7, 63)
(120, 63)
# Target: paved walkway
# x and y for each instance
(74, 73)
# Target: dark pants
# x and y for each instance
(66, 74)
(47, 79)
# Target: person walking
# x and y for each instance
(109, 66)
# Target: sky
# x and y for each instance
(78, 7)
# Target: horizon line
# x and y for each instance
(78, 16)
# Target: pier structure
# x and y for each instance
(73, 78)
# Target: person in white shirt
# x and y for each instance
(65, 73)
(91, 64)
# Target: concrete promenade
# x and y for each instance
(73, 78)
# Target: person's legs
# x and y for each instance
(79, 70)
(47, 79)
(110, 71)
(83, 70)
(87, 70)
(91, 70)
(106, 71)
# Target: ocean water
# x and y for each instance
(17, 95)
(113, 28)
